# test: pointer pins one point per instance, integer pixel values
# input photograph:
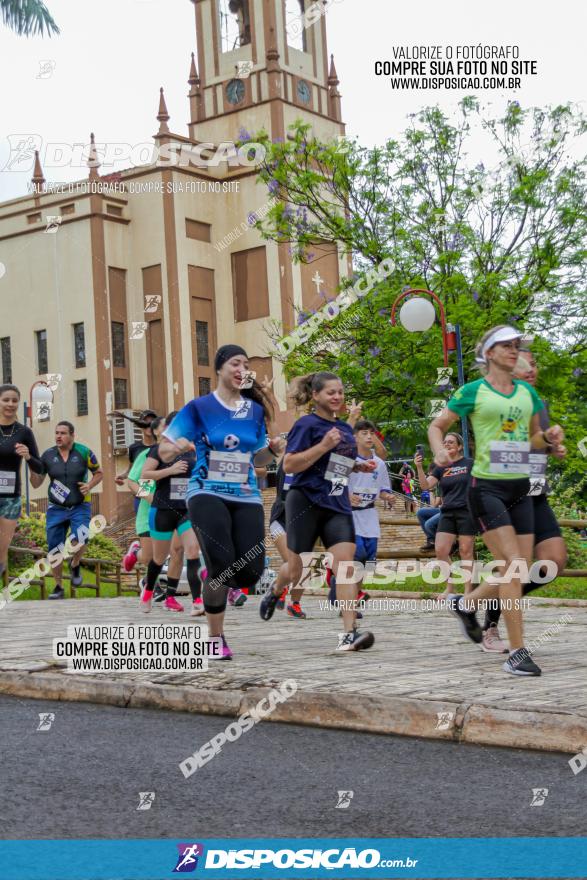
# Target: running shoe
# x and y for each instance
(58, 593)
(236, 597)
(219, 649)
(355, 640)
(197, 608)
(76, 576)
(520, 663)
(427, 546)
(130, 559)
(171, 604)
(146, 597)
(467, 619)
(295, 610)
(281, 601)
(363, 596)
(159, 593)
(268, 604)
(492, 642)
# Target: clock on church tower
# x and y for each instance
(261, 64)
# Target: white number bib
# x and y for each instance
(178, 487)
(59, 491)
(509, 457)
(7, 482)
(229, 467)
(339, 468)
(367, 498)
(537, 465)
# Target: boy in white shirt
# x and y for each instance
(364, 489)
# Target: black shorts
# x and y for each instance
(497, 503)
(144, 534)
(456, 522)
(306, 523)
(545, 524)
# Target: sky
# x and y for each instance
(106, 67)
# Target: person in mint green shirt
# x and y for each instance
(141, 549)
(504, 414)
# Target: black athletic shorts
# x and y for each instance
(306, 523)
(496, 503)
(456, 522)
(545, 524)
(144, 534)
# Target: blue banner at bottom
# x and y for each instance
(368, 858)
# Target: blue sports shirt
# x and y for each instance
(226, 440)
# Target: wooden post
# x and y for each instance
(97, 570)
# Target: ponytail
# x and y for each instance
(303, 387)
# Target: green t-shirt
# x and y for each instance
(497, 417)
(142, 519)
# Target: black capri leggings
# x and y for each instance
(231, 535)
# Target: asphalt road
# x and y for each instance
(82, 778)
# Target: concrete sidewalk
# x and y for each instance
(422, 678)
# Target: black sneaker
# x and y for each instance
(76, 576)
(355, 641)
(467, 619)
(159, 593)
(520, 663)
(427, 546)
(58, 593)
(268, 605)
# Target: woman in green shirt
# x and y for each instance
(504, 414)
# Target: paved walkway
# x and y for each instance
(421, 665)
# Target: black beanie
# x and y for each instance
(225, 353)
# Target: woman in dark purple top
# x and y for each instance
(321, 453)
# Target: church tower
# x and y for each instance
(261, 63)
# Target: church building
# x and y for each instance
(126, 283)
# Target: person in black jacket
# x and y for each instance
(17, 442)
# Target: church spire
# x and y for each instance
(333, 93)
(38, 178)
(93, 161)
(163, 115)
(195, 94)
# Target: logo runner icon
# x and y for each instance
(187, 861)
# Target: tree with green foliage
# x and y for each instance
(28, 18)
(500, 241)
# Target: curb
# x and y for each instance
(478, 724)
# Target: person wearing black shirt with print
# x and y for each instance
(17, 442)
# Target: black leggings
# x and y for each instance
(231, 536)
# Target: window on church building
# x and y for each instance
(249, 284)
(203, 386)
(202, 344)
(42, 359)
(295, 25)
(118, 353)
(79, 345)
(81, 396)
(120, 394)
(6, 360)
(235, 24)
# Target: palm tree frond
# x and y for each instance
(28, 18)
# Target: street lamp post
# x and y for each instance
(40, 392)
(418, 315)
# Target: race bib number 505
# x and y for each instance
(229, 467)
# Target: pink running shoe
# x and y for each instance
(197, 608)
(146, 596)
(236, 597)
(171, 604)
(492, 643)
(130, 560)
(219, 649)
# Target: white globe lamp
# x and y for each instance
(417, 315)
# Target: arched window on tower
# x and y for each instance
(235, 24)
(295, 24)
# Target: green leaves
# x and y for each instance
(28, 18)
